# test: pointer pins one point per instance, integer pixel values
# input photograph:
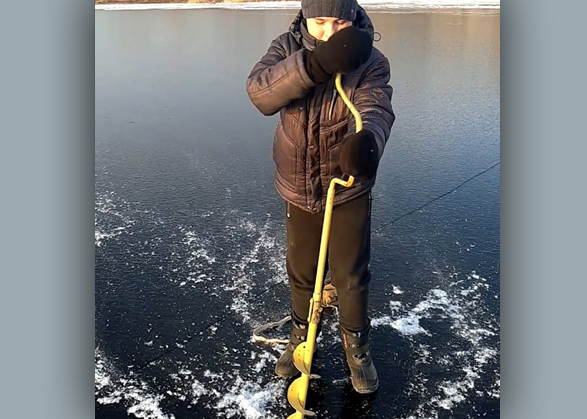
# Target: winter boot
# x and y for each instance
(285, 365)
(358, 356)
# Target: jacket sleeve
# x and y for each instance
(278, 79)
(373, 101)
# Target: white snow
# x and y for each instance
(115, 387)
(462, 306)
(249, 400)
(397, 290)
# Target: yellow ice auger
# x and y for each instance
(298, 390)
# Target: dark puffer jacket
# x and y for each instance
(313, 119)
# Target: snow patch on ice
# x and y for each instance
(112, 386)
(250, 400)
(256, 267)
(111, 217)
(461, 303)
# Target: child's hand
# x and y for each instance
(345, 51)
(358, 155)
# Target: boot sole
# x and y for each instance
(367, 390)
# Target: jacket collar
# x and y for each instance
(303, 37)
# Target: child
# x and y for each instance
(315, 141)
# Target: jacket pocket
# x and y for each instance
(332, 138)
(334, 169)
(333, 135)
(285, 156)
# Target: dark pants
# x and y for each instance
(349, 251)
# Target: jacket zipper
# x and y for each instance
(334, 93)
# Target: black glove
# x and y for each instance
(359, 156)
(345, 51)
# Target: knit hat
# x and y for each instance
(341, 9)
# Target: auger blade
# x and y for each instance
(293, 396)
(298, 356)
